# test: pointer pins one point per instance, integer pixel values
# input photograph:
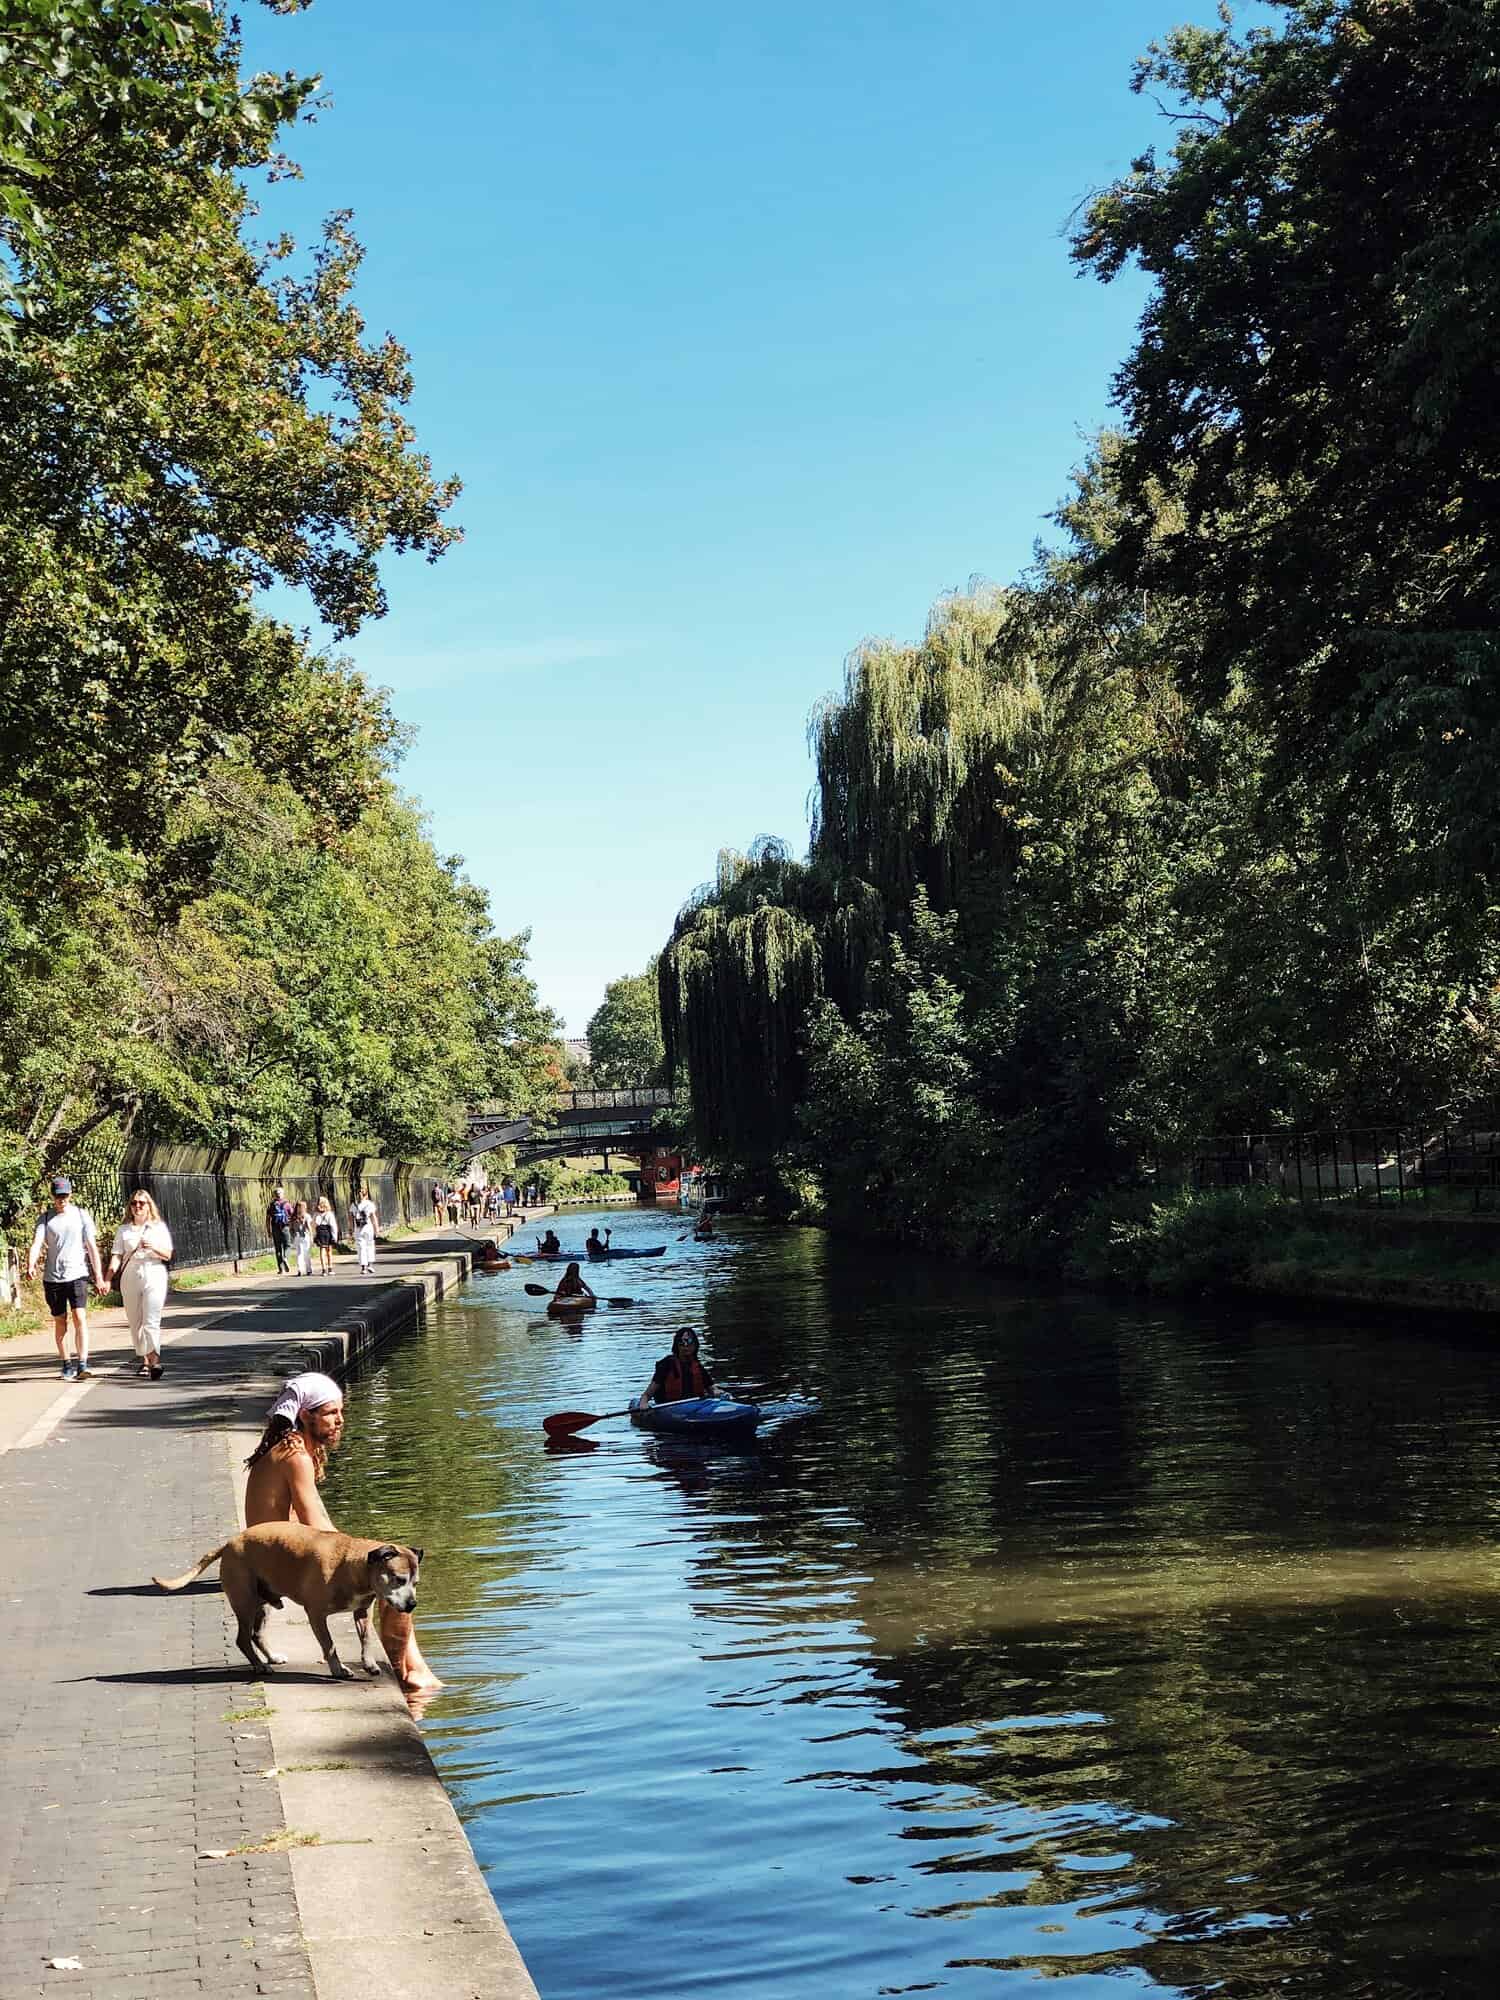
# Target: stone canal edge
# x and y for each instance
(173, 1826)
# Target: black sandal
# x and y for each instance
(155, 1371)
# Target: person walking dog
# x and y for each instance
(66, 1245)
(138, 1260)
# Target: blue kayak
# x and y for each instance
(702, 1416)
(586, 1256)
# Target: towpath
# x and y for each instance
(170, 1824)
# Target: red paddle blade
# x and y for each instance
(563, 1423)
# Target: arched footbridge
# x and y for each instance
(584, 1120)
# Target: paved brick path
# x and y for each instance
(125, 1746)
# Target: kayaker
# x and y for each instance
(548, 1245)
(571, 1286)
(679, 1374)
(704, 1233)
(597, 1245)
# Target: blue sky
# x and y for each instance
(750, 330)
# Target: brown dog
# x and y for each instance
(322, 1572)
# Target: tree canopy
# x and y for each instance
(1314, 380)
(624, 1033)
(219, 919)
(1193, 826)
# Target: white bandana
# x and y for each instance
(306, 1392)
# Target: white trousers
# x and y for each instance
(143, 1290)
(364, 1245)
(302, 1251)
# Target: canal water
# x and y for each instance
(1137, 1651)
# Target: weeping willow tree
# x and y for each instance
(745, 963)
(913, 791)
(914, 757)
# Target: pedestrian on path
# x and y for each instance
(366, 1221)
(439, 1203)
(325, 1233)
(66, 1244)
(302, 1239)
(279, 1222)
(138, 1260)
(286, 1469)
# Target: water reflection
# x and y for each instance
(1128, 1650)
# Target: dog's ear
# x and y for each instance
(419, 1553)
(383, 1554)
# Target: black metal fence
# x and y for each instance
(1442, 1164)
(215, 1203)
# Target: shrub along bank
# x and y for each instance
(1205, 1243)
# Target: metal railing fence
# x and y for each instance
(1440, 1163)
(215, 1203)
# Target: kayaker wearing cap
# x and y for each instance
(679, 1374)
(549, 1245)
(305, 1423)
(69, 1243)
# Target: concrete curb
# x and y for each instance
(354, 1336)
(389, 1895)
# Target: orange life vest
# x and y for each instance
(676, 1379)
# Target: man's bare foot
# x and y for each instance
(420, 1679)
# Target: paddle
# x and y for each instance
(544, 1292)
(563, 1423)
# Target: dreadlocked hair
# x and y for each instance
(277, 1429)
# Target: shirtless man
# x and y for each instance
(307, 1422)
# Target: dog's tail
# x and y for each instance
(203, 1563)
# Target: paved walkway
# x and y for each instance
(141, 1804)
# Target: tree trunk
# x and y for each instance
(62, 1143)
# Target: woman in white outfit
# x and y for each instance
(138, 1260)
(302, 1228)
(366, 1222)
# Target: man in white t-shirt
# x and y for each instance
(67, 1246)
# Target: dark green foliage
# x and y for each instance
(1315, 380)
(1188, 1242)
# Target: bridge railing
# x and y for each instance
(639, 1097)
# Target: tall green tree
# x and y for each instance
(186, 417)
(624, 1032)
(1314, 380)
